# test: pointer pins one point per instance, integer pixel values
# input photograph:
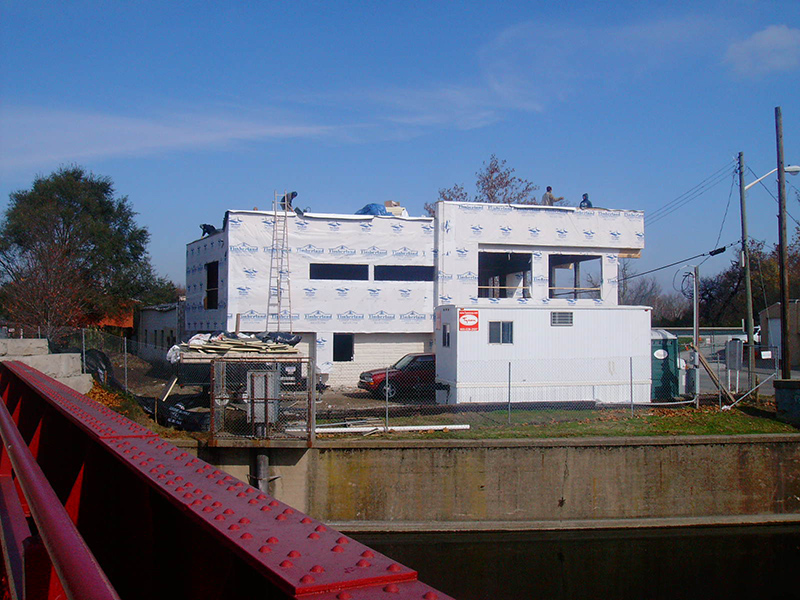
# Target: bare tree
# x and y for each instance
(494, 183)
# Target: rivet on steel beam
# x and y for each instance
(244, 520)
(394, 568)
(337, 549)
(234, 527)
(430, 596)
(265, 508)
(274, 503)
(170, 482)
(217, 472)
(313, 536)
(306, 579)
(188, 484)
(179, 478)
(220, 482)
(207, 509)
(227, 511)
(288, 511)
(219, 518)
(170, 472)
(247, 536)
(293, 554)
(179, 489)
(344, 596)
(317, 569)
(320, 528)
(227, 478)
(272, 540)
(216, 504)
(368, 554)
(286, 564)
(363, 563)
(241, 495)
(280, 517)
(252, 501)
(391, 588)
(162, 476)
(306, 520)
(206, 497)
(188, 495)
(261, 497)
(196, 502)
(342, 540)
(265, 549)
(231, 488)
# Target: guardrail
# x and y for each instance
(162, 523)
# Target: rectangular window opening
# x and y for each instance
(212, 286)
(344, 272)
(575, 277)
(504, 274)
(343, 346)
(501, 332)
(404, 273)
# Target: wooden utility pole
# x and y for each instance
(748, 290)
(786, 359)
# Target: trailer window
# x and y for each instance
(501, 332)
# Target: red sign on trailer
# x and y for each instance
(468, 320)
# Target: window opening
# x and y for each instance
(338, 271)
(212, 285)
(575, 276)
(501, 332)
(504, 274)
(343, 345)
(404, 273)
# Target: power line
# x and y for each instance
(713, 252)
(773, 195)
(724, 216)
(693, 193)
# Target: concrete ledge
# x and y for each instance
(23, 347)
(54, 365)
(574, 525)
(80, 383)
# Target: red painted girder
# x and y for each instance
(77, 568)
(299, 554)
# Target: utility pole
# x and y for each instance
(696, 334)
(748, 290)
(786, 362)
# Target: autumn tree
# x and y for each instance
(71, 253)
(494, 183)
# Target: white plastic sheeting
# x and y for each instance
(465, 229)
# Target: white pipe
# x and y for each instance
(368, 429)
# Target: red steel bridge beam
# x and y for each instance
(164, 524)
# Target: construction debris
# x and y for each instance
(224, 344)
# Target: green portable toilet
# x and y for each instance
(665, 360)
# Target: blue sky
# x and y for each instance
(195, 108)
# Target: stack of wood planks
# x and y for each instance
(249, 347)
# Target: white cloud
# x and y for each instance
(776, 48)
(35, 136)
(533, 65)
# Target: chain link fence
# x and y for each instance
(265, 398)
(285, 398)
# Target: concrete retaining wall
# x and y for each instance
(532, 481)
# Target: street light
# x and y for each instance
(792, 170)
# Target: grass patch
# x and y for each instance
(592, 423)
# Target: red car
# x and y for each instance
(414, 373)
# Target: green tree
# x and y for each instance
(494, 183)
(71, 253)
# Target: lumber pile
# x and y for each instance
(224, 346)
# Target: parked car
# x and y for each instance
(414, 373)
